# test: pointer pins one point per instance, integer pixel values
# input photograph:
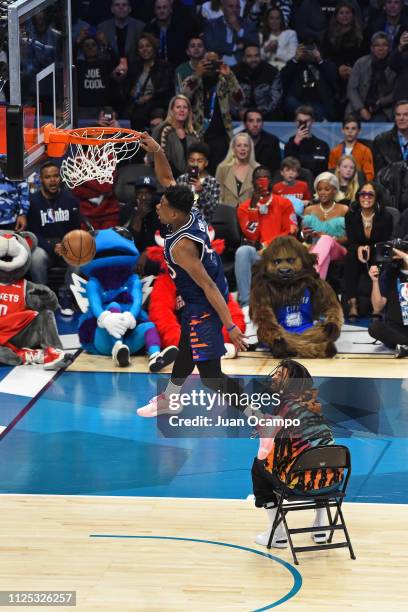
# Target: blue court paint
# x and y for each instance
(297, 578)
(85, 427)
(10, 406)
(4, 370)
(28, 405)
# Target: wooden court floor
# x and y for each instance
(260, 364)
(48, 542)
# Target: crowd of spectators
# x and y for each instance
(185, 71)
(338, 57)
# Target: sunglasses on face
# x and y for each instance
(366, 194)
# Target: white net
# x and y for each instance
(96, 162)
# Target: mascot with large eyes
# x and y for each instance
(113, 320)
(297, 313)
(28, 332)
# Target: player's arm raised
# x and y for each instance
(161, 165)
(185, 254)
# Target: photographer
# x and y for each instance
(390, 291)
(212, 89)
(206, 187)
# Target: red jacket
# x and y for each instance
(103, 214)
(299, 189)
(279, 220)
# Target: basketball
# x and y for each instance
(78, 247)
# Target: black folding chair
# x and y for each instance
(313, 459)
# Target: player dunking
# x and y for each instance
(199, 277)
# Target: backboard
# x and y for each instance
(40, 76)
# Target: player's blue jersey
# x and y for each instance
(196, 230)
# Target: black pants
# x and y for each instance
(389, 333)
(210, 371)
(218, 150)
(353, 269)
(263, 485)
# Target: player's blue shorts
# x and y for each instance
(204, 331)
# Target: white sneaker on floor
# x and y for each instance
(159, 405)
(121, 354)
(251, 330)
(279, 540)
(50, 358)
(230, 351)
(319, 538)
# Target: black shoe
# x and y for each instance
(163, 359)
(121, 354)
(401, 350)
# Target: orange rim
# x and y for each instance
(88, 135)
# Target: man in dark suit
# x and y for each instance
(172, 32)
(228, 35)
(122, 31)
(392, 146)
(260, 83)
(267, 150)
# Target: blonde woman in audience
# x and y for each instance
(234, 174)
(347, 175)
(278, 45)
(176, 133)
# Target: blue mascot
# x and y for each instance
(113, 321)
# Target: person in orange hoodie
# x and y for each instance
(351, 146)
(262, 218)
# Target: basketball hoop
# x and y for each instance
(94, 152)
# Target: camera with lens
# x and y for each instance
(383, 251)
(216, 64)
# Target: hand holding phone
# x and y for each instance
(193, 173)
(302, 131)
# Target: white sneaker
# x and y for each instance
(121, 354)
(50, 358)
(230, 351)
(159, 405)
(320, 519)
(279, 539)
(251, 330)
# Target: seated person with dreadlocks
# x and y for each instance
(278, 452)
